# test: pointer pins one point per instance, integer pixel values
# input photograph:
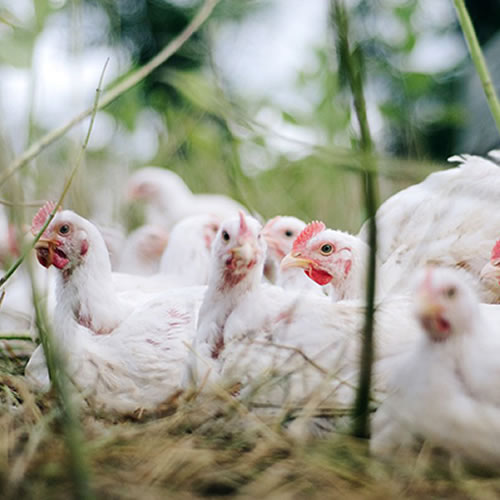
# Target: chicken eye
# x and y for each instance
(326, 249)
(451, 292)
(288, 233)
(225, 236)
(64, 229)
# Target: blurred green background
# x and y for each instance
(253, 105)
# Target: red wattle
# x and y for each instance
(319, 276)
(58, 261)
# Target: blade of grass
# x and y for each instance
(115, 92)
(478, 59)
(28, 249)
(351, 64)
(16, 336)
(79, 469)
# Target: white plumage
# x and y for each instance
(448, 219)
(187, 256)
(185, 261)
(123, 351)
(248, 331)
(169, 200)
(143, 249)
(126, 338)
(445, 389)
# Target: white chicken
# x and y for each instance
(143, 249)
(449, 219)
(248, 331)
(445, 389)
(169, 199)
(187, 257)
(280, 233)
(123, 351)
(185, 261)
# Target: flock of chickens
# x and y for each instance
(275, 312)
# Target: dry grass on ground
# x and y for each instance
(206, 449)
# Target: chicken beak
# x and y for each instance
(43, 243)
(243, 252)
(294, 259)
(428, 307)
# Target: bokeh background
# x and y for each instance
(253, 105)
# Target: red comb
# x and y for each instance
(495, 253)
(41, 216)
(312, 229)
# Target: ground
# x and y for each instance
(206, 449)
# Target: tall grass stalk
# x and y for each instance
(73, 435)
(30, 247)
(478, 59)
(55, 363)
(115, 92)
(351, 64)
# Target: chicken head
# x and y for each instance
(444, 304)
(280, 233)
(64, 243)
(239, 247)
(324, 254)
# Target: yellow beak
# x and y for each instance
(428, 306)
(44, 243)
(244, 251)
(294, 259)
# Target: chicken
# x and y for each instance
(445, 389)
(187, 256)
(185, 261)
(280, 233)
(169, 200)
(249, 331)
(449, 219)
(123, 351)
(143, 250)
